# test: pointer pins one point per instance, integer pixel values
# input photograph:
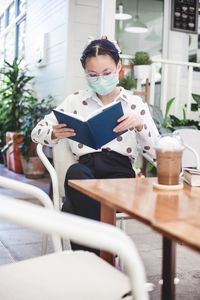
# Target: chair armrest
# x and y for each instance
(36, 193)
(82, 231)
(53, 175)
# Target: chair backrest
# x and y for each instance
(62, 160)
(191, 153)
(81, 230)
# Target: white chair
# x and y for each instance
(62, 160)
(39, 195)
(191, 141)
(78, 275)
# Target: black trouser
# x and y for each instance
(104, 164)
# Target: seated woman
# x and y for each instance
(101, 63)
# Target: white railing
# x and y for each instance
(164, 82)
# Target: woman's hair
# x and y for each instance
(100, 47)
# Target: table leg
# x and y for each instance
(168, 269)
(108, 215)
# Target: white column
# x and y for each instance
(107, 24)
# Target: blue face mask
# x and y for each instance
(103, 84)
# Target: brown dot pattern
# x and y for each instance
(149, 134)
(84, 102)
(142, 112)
(154, 159)
(61, 109)
(46, 142)
(131, 129)
(107, 148)
(124, 96)
(133, 106)
(119, 138)
(147, 147)
(76, 93)
(80, 146)
(145, 126)
(46, 123)
(39, 131)
(129, 150)
(75, 112)
(48, 131)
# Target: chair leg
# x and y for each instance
(44, 244)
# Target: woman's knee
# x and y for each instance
(78, 171)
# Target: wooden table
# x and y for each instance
(174, 214)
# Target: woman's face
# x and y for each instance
(102, 74)
(100, 65)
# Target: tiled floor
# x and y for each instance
(17, 243)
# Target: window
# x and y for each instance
(10, 14)
(21, 6)
(21, 39)
(2, 23)
(9, 49)
(12, 31)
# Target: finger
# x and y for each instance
(59, 126)
(124, 117)
(123, 126)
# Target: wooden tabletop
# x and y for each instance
(175, 214)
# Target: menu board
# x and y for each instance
(184, 15)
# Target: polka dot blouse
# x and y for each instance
(85, 102)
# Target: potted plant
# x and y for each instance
(141, 63)
(127, 82)
(13, 100)
(34, 112)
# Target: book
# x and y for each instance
(192, 176)
(97, 129)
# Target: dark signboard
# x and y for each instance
(184, 15)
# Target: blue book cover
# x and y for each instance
(97, 129)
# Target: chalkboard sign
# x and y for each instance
(184, 15)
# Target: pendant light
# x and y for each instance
(120, 15)
(136, 26)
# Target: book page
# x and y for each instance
(78, 117)
(100, 110)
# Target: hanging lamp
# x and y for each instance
(120, 15)
(136, 26)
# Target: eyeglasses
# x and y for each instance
(95, 77)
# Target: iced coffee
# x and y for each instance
(169, 151)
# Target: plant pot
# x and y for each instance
(141, 71)
(13, 152)
(33, 168)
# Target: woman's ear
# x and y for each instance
(119, 67)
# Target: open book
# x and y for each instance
(97, 129)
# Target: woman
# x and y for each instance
(101, 63)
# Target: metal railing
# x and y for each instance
(164, 82)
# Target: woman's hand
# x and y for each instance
(60, 131)
(129, 121)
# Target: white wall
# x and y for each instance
(84, 21)
(176, 47)
(51, 17)
(68, 24)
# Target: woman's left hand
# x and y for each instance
(129, 121)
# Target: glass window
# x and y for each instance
(21, 40)
(21, 6)
(9, 47)
(2, 23)
(11, 13)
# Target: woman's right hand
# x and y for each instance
(60, 131)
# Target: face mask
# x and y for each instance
(103, 85)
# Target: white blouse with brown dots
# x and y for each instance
(84, 103)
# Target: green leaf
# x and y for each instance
(168, 106)
(196, 98)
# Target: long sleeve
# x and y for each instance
(148, 136)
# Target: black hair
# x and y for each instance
(100, 47)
